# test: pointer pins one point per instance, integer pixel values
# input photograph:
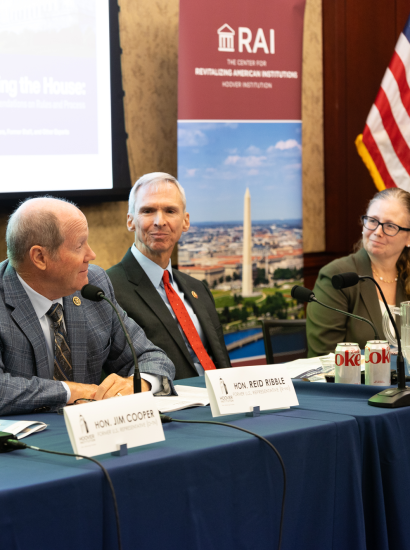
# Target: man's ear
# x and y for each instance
(130, 222)
(38, 257)
(186, 223)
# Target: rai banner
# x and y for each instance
(239, 160)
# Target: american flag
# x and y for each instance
(385, 143)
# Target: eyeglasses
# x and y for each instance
(390, 229)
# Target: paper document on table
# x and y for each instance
(188, 396)
(314, 369)
(21, 428)
(305, 368)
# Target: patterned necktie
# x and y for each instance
(187, 325)
(63, 369)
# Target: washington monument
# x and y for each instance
(247, 247)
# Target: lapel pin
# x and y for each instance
(194, 294)
(77, 301)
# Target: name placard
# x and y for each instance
(103, 426)
(241, 389)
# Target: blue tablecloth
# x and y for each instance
(205, 487)
(385, 455)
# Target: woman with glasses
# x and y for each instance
(383, 253)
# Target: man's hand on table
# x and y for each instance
(112, 386)
(81, 391)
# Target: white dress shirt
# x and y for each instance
(383, 309)
(155, 273)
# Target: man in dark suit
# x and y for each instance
(54, 343)
(177, 313)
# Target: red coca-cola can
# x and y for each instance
(377, 363)
(347, 363)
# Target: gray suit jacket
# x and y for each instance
(138, 296)
(326, 328)
(95, 339)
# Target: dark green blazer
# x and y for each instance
(325, 328)
(139, 298)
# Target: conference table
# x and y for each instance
(212, 487)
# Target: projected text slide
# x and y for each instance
(55, 104)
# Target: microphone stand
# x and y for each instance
(376, 334)
(137, 376)
(393, 397)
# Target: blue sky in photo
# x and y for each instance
(217, 161)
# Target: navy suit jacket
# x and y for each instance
(94, 334)
(138, 296)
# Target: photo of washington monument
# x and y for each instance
(248, 260)
(247, 286)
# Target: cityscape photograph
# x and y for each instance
(250, 253)
(213, 254)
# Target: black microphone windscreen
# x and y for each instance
(344, 280)
(93, 293)
(302, 294)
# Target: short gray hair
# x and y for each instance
(23, 232)
(150, 179)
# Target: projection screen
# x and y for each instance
(60, 90)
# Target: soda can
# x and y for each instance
(377, 363)
(347, 363)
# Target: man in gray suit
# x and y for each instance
(177, 314)
(54, 343)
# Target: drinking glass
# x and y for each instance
(402, 314)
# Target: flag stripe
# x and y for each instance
(406, 30)
(399, 73)
(397, 66)
(380, 136)
(403, 51)
(385, 144)
(400, 114)
(396, 138)
(377, 157)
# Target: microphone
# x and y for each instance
(394, 397)
(302, 294)
(95, 294)
(344, 280)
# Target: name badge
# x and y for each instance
(239, 390)
(103, 426)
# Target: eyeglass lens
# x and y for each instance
(388, 228)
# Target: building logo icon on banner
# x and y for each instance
(226, 40)
(226, 34)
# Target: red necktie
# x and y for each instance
(187, 325)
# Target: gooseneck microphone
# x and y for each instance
(95, 294)
(302, 294)
(344, 280)
(393, 397)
